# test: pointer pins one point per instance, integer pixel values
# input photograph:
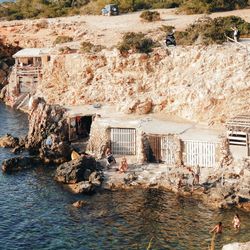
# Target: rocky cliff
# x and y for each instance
(6, 61)
(204, 84)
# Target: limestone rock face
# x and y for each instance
(198, 83)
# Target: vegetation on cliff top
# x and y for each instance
(209, 31)
(22, 9)
(136, 42)
(204, 31)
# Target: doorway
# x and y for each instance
(83, 126)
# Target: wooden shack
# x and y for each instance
(238, 134)
(28, 68)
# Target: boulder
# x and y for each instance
(237, 246)
(57, 153)
(8, 141)
(81, 175)
(79, 204)
(76, 170)
(144, 107)
(81, 187)
(20, 163)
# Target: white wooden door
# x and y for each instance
(200, 153)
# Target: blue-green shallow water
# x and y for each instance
(36, 213)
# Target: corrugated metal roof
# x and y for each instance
(32, 52)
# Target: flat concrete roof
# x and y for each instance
(83, 110)
(149, 124)
(32, 52)
(202, 134)
(155, 126)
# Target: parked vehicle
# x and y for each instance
(110, 10)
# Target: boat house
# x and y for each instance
(144, 138)
(28, 68)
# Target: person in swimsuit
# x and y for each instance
(217, 229)
(236, 221)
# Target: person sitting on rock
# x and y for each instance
(123, 165)
(48, 141)
(217, 229)
(109, 156)
(236, 221)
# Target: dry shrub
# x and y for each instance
(209, 31)
(90, 47)
(136, 42)
(63, 39)
(150, 16)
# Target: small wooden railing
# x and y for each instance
(28, 70)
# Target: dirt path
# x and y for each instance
(96, 29)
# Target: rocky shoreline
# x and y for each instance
(47, 141)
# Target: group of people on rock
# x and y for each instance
(236, 224)
(123, 167)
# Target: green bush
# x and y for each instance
(63, 39)
(207, 6)
(22, 9)
(208, 31)
(195, 7)
(150, 16)
(136, 42)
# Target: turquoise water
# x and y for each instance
(36, 213)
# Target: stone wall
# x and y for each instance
(99, 139)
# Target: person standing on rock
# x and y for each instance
(236, 34)
(236, 221)
(197, 175)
